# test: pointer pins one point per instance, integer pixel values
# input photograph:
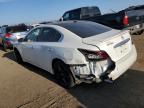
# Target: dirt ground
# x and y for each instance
(26, 86)
(139, 43)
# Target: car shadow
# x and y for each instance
(9, 55)
(125, 92)
(32, 68)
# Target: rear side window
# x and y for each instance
(85, 29)
(72, 15)
(66, 16)
(49, 35)
(15, 29)
(90, 12)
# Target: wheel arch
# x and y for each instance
(16, 49)
(57, 59)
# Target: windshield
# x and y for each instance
(84, 29)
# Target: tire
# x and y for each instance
(63, 74)
(18, 57)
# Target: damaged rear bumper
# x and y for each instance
(93, 71)
(107, 70)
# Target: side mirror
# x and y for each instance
(61, 19)
(21, 40)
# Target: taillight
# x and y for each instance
(125, 20)
(7, 35)
(94, 55)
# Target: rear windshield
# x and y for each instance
(85, 29)
(16, 29)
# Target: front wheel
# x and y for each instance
(63, 74)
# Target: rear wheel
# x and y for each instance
(18, 57)
(63, 74)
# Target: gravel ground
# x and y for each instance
(26, 86)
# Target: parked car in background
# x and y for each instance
(78, 51)
(0, 30)
(131, 18)
(10, 34)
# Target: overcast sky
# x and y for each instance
(19, 11)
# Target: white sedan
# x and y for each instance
(78, 51)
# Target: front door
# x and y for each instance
(28, 46)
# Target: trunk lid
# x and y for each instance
(116, 43)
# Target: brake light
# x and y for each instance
(7, 35)
(94, 55)
(125, 20)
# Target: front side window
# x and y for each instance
(66, 16)
(33, 35)
(49, 35)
